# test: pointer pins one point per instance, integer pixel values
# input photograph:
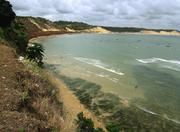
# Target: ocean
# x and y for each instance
(143, 69)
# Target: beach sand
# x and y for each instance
(71, 106)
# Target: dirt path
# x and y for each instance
(8, 67)
(72, 106)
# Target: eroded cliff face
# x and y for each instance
(39, 26)
(160, 33)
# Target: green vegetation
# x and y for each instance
(123, 29)
(11, 30)
(86, 124)
(110, 108)
(7, 15)
(74, 25)
(83, 26)
(25, 98)
(133, 29)
(35, 53)
(17, 33)
(1, 33)
(112, 127)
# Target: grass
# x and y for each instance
(39, 96)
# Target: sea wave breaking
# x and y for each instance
(99, 64)
(153, 113)
(168, 64)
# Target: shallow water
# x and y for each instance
(144, 69)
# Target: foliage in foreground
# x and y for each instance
(10, 30)
(35, 53)
(7, 15)
(86, 124)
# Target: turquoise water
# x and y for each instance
(143, 69)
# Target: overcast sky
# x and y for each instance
(136, 13)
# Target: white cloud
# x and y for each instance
(141, 13)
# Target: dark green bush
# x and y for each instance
(1, 33)
(86, 124)
(17, 34)
(7, 15)
(113, 127)
(35, 53)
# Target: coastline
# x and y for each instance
(56, 33)
(68, 90)
(140, 33)
(71, 104)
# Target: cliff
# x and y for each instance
(39, 26)
(162, 32)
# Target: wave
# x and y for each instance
(172, 67)
(168, 64)
(115, 80)
(153, 113)
(99, 64)
(173, 120)
(153, 60)
(102, 75)
(146, 110)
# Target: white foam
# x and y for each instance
(115, 80)
(148, 111)
(153, 113)
(88, 71)
(172, 67)
(102, 75)
(97, 63)
(168, 64)
(173, 120)
(153, 60)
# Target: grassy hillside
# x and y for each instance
(134, 29)
(28, 101)
(74, 25)
(84, 26)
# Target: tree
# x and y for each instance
(7, 15)
(35, 53)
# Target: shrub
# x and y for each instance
(86, 124)
(113, 127)
(35, 53)
(17, 34)
(25, 98)
(1, 33)
(7, 15)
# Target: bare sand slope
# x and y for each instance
(160, 33)
(71, 106)
(97, 30)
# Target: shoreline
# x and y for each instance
(56, 33)
(140, 108)
(38, 36)
(139, 33)
(71, 104)
(123, 99)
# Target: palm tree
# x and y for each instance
(35, 53)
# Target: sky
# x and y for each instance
(121, 13)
